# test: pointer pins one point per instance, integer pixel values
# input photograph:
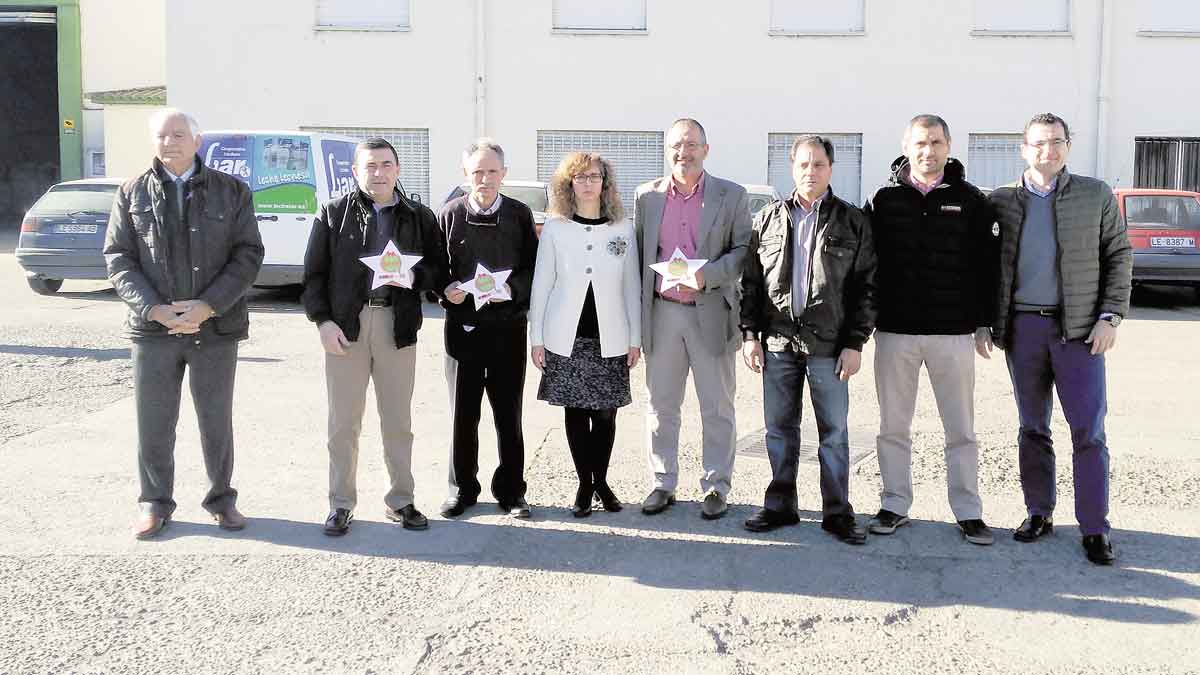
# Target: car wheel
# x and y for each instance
(44, 286)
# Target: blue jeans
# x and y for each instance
(783, 383)
(1037, 360)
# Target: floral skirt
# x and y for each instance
(585, 379)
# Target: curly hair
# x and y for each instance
(562, 192)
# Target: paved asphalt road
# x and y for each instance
(615, 593)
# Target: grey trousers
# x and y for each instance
(373, 357)
(950, 362)
(158, 367)
(678, 348)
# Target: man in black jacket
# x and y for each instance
(485, 346)
(937, 264)
(808, 292)
(369, 332)
(182, 249)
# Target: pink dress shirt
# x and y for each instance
(680, 227)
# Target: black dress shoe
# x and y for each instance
(845, 528)
(517, 509)
(1033, 528)
(582, 508)
(1099, 549)
(455, 506)
(338, 522)
(409, 517)
(765, 520)
(607, 498)
(657, 502)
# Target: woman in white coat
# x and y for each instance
(585, 316)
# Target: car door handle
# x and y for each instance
(272, 218)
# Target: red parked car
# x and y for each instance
(1164, 229)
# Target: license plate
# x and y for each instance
(76, 228)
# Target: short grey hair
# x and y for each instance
(483, 143)
(692, 122)
(927, 121)
(161, 116)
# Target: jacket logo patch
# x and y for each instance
(617, 246)
(951, 208)
(995, 229)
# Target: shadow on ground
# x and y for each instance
(925, 565)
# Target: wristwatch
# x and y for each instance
(1114, 319)
(749, 336)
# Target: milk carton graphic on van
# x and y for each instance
(288, 185)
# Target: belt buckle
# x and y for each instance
(378, 302)
(1047, 312)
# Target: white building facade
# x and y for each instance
(544, 77)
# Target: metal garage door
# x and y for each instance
(847, 164)
(994, 159)
(637, 156)
(411, 144)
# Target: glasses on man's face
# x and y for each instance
(580, 179)
(1056, 143)
(690, 147)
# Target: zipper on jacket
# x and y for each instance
(1062, 298)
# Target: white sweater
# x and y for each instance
(570, 256)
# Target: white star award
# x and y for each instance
(391, 267)
(487, 285)
(678, 271)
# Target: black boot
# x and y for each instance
(604, 431)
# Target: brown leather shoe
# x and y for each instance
(148, 525)
(230, 519)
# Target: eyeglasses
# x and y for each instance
(1056, 143)
(580, 179)
(690, 147)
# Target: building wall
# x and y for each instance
(123, 44)
(127, 139)
(263, 65)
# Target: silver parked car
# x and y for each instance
(63, 233)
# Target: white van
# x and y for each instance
(290, 174)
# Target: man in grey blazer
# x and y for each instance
(691, 330)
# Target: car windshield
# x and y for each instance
(533, 197)
(76, 198)
(757, 202)
(1162, 212)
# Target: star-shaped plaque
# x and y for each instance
(487, 285)
(391, 267)
(679, 270)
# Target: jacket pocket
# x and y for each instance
(234, 322)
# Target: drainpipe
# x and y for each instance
(1103, 76)
(480, 70)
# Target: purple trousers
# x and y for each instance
(1039, 359)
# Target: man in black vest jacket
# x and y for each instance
(485, 347)
(182, 249)
(937, 266)
(369, 332)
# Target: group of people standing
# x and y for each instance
(932, 267)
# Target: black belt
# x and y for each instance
(678, 302)
(379, 302)
(1053, 311)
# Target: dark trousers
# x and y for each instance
(590, 436)
(1039, 359)
(492, 360)
(158, 367)
(783, 387)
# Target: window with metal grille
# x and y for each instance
(1170, 163)
(363, 14)
(608, 16)
(994, 159)
(636, 156)
(847, 164)
(1168, 16)
(411, 144)
(799, 17)
(1022, 16)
